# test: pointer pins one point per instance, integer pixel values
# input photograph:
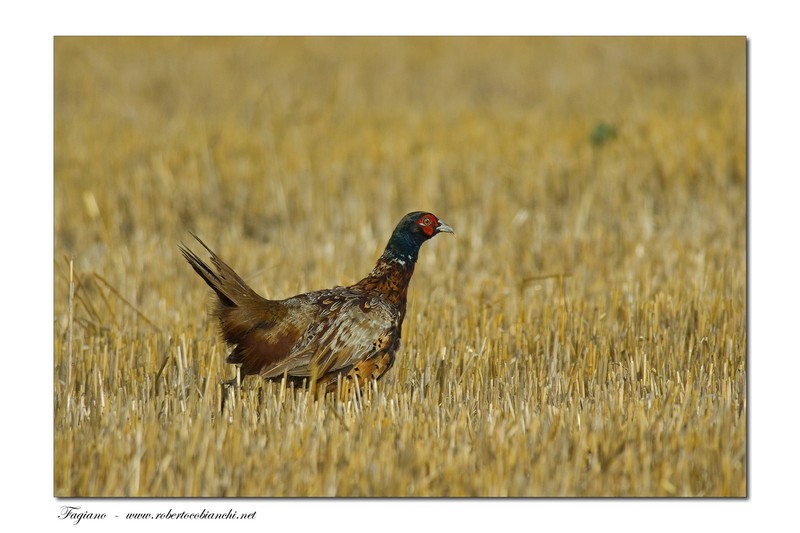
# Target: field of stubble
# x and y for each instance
(584, 334)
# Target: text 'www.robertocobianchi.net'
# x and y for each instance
(75, 515)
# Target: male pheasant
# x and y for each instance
(317, 337)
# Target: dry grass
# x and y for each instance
(624, 374)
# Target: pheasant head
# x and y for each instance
(413, 230)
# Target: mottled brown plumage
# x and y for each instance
(317, 337)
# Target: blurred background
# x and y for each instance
(550, 152)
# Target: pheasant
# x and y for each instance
(317, 338)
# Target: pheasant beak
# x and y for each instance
(444, 228)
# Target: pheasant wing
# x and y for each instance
(351, 327)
